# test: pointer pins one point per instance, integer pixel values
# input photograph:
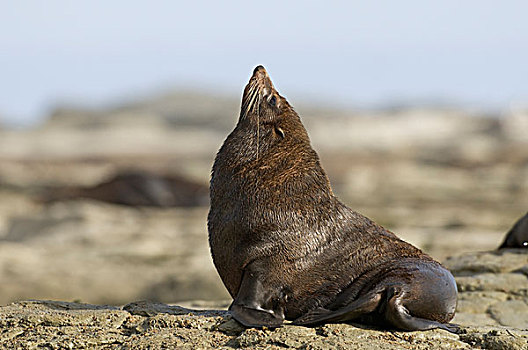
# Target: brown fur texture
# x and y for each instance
(275, 219)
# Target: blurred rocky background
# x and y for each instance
(109, 205)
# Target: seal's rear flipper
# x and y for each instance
(390, 302)
(403, 320)
(257, 306)
(361, 306)
(398, 315)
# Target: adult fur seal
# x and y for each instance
(136, 188)
(517, 237)
(287, 248)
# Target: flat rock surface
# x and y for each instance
(493, 288)
(147, 325)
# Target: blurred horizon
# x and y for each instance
(469, 54)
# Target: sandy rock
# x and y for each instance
(103, 253)
(514, 283)
(149, 308)
(515, 124)
(512, 313)
(492, 313)
(496, 338)
(490, 299)
(480, 319)
(479, 302)
(494, 261)
(62, 325)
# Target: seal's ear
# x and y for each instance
(279, 131)
(255, 305)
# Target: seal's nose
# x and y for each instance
(259, 71)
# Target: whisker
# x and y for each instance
(247, 100)
(258, 123)
(253, 96)
(251, 100)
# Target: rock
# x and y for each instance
(481, 319)
(514, 283)
(493, 289)
(285, 337)
(147, 308)
(479, 302)
(148, 325)
(523, 270)
(107, 254)
(495, 261)
(512, 313)
(496, 339)
(515, 123)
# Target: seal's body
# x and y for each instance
(287, 248)
(517, 237)
(136, 188)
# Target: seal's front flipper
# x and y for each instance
(256, 305)
(361, 306)
(255, 318)
(451, 327)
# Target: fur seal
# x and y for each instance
(287, 248)
(517, 237)
(136, 188)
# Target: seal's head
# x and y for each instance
(266, 116)
(261, 102)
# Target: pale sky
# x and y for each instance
(356, 54)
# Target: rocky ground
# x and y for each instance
(492, 312)
(449, 181)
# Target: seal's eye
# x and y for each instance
(272, 101)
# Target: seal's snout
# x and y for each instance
(260, 72)
(259, 68)
(261, 80)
